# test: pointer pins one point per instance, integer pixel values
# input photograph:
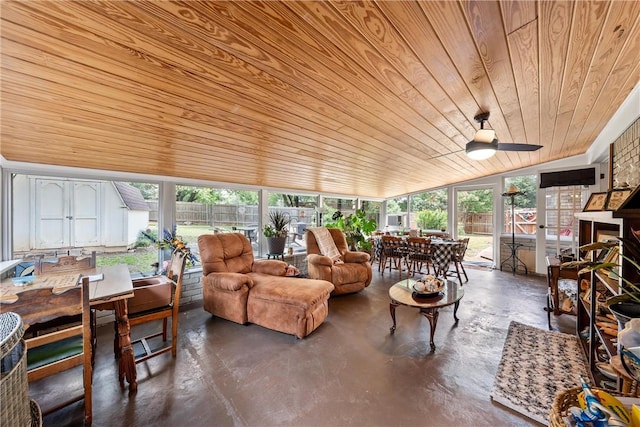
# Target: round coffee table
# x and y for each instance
(402, 294)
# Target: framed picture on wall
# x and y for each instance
(596, 202)
(617, 198)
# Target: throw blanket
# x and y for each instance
(326, 244)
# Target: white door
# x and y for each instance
(66, 214)
(52, 214)
(85, 206)
(557, 226)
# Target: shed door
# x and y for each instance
(67, 214)
(85, 229)
(52, 214)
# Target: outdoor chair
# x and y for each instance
(52, 350)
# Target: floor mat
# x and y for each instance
(536, 364)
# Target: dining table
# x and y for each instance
(109, 285)
(443, 252)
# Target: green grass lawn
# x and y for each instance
(477, 242)
(140, 259)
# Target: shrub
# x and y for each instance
(435, 219)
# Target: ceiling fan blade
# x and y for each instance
(518, 147)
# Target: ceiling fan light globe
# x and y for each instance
(485, 135)
(481, 150)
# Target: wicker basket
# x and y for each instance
(565, 400)
(14, 389)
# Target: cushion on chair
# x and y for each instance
(349, 273)
(326, 244)
(47, 354)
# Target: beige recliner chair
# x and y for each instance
(238, 288)
(353, 274)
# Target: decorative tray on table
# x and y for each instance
(428, 286)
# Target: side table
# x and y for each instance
(554, 273)
(276, 256)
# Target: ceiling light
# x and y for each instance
(485, 135)
(484, 143)
(478, 150)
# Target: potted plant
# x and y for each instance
(276, 231)
(357, 227)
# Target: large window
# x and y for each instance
(302, 212)
(397, 215)
(429, 210)
(524, 208)
(55, 216)
(561, 227)
(202, 210)
(372, 209)
(333, 204)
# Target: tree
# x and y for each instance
(526, 184)
(435, 219)
(149, 191)
(197, 194)
(430, 200)
(475, 201)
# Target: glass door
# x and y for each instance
(475, 219)
(557, 226)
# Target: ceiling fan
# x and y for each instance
(485, 144)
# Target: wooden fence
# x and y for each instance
(226, 215)
(482, 223)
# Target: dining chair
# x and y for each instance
(53, 350)
(458, 257)
(158, 298)
(66, 264)
(418, 254)
(393, 253)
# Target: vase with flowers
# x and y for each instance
(276, 232)
(171, 242)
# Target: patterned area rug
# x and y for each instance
(535, 365)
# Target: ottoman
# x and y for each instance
(290, 305)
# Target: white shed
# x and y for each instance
(76, 213)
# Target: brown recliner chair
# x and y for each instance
(351, 276)
(238, 288)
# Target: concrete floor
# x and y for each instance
(349, 372)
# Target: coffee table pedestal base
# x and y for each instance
(430, 313)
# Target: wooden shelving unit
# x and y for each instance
(599, 226)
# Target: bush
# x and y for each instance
(143, 240)
(432, 219)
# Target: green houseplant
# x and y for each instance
(626, 305)
(357, 227)
(276, 231)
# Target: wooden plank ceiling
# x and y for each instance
(373, 99)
